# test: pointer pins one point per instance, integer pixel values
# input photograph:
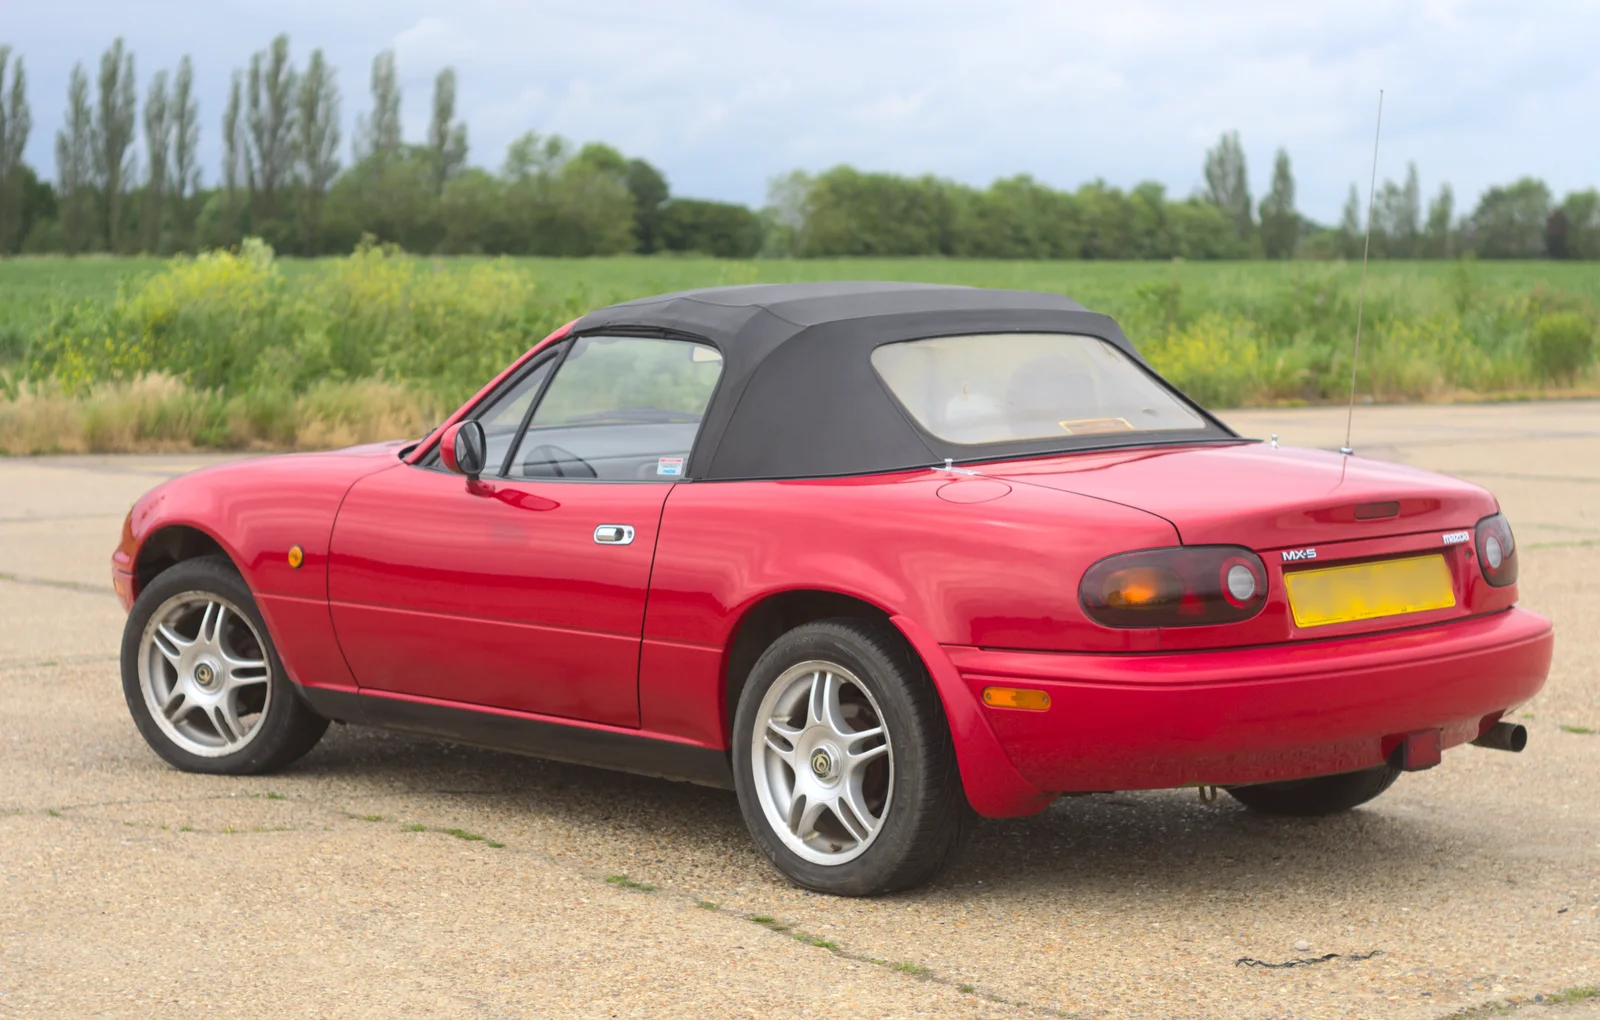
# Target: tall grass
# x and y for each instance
(241, 350)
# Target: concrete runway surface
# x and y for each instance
(338, 888)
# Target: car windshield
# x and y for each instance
(1008, 387)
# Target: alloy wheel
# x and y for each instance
(204, 673)
(823, 762)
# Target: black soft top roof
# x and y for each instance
(798, 397)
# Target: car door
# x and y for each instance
(526, 590)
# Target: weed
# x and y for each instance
(812, 940)
(185, 828)
(497, 846)
(1570, 995)
(967, 989)
(373, 818)
(1577, 729)
(705, 905)
(414, 827)
(52, 812)
(906, 967)
(761, 919)
(624, 882)
(242, 350)
(471, 837)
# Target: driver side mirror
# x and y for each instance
(463, 448)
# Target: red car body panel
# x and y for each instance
(494, 593)
(1251, 715)
(256, 511)
(421, 591)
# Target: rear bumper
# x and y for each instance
(1251, 715)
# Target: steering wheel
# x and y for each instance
(548, 461)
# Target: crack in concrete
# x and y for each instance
(679, 899)
(65, 660)
(48, 582)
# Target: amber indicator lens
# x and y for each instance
(1497, 551)
(1141, 587)
(1016, 697)
(1182, 587)
(297, 556)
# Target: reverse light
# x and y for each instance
(1182, 587)
(1497, 551)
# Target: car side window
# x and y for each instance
(503, 414)
(619, 409)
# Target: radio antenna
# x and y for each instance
(1361, 293)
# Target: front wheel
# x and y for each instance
(843, 761)
(202, 680)
(1324, 795)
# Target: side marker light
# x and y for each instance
(297, 556)
(1016, 697)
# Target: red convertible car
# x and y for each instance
(868, 554)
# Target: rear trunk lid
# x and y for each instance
(1262, 497)
(1300, 510)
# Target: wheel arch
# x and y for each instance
(169, 545)
(770, 617)
(992, 784)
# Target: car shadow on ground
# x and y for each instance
(1165, 843)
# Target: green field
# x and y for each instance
(247, 350)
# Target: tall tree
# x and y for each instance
(316, 144)
(1510, 221)
(1228, 182)
(1580, 220)
(1280, 224)
(114, 127)
(185, 176)
(1438, 243)
(75, 161)
(649, 189)
(15, 123)
(1399, 215)
(378, 133)
(270, 121)
(157, 142)
(447, 137)
(1350, 241)
(235, 158)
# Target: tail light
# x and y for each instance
(1185, 587)
(1497, 551)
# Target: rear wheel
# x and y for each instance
(843, 761)
(1324, 795)
(202, 680)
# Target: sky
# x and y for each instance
(724, 95)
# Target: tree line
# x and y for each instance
(127, 180)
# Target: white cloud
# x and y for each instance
(724, 95)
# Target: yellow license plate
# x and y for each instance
(1366, 591)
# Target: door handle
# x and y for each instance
(614, 534)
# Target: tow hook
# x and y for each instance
(1208, 794)
(1504, 736)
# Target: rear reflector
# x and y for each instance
(1417, 751)
(1016, 697)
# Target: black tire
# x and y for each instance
(926, 811)
(1324, 795)
(288, 728)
